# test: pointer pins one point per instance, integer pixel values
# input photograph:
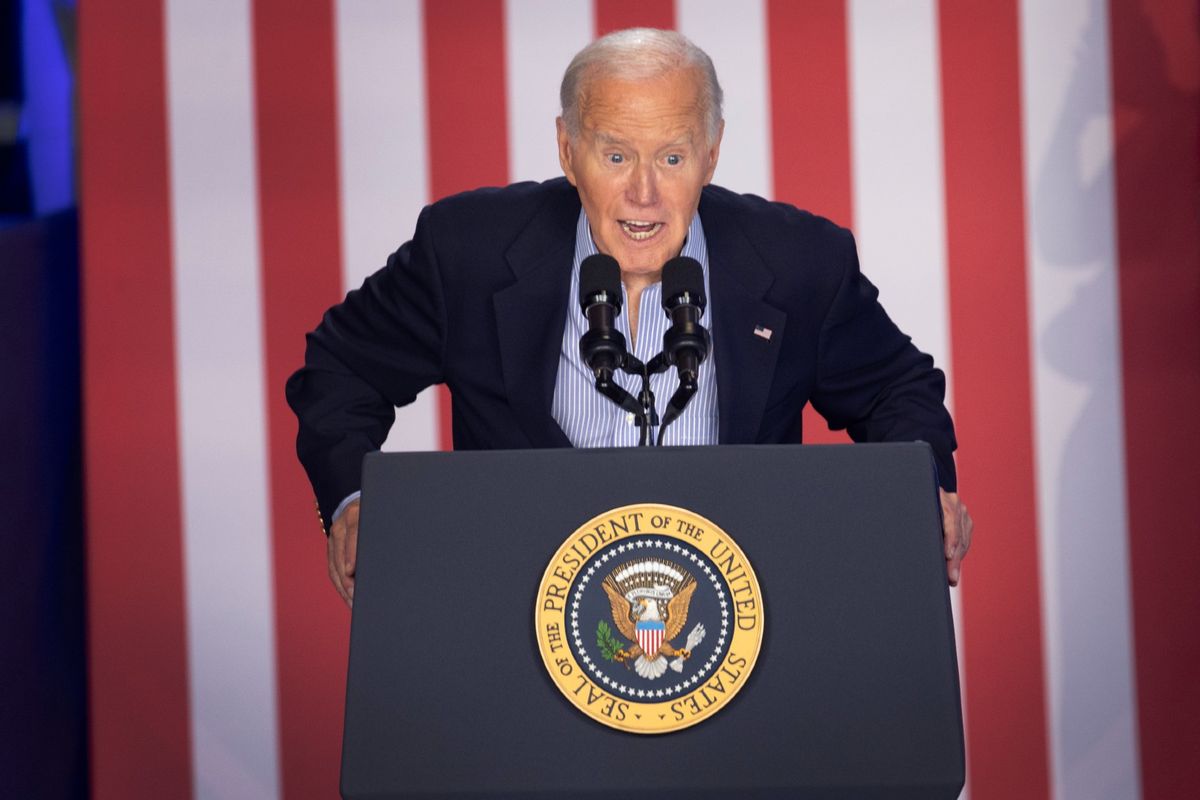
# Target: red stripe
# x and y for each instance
(614, 15)
(468, 115)
(1156, 105)
(985, 222)
(137, 648)
(810, 124)
(301, 277)
(810, 106)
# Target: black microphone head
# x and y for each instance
(683, 276)
(600, 275)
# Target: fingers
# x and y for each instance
(954, 569)
(952, 533)
(343, 552)
(350, 549)
(957, 527)
(968, 527)
(336, 549)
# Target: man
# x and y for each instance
(484, 299)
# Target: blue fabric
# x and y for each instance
(43, 732)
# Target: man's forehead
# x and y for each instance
(617, 111)
(675, 91)
(684, 136)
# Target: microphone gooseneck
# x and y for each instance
(602, 347)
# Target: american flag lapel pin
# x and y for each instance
(763, 332)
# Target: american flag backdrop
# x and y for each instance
(1024, 181)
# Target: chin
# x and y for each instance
(641, 265)
(643, 260)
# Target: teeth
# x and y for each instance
(631, 228)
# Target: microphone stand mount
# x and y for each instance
(645, 415)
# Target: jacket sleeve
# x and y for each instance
(872, 381)
(375, 350)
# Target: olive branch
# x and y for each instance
(608, 644)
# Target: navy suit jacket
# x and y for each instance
(478, 300)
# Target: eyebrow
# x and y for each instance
(608, 138)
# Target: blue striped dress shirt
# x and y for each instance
(588, 418)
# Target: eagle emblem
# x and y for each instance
(649, 599)
(648, 579)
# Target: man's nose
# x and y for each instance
(643, 186)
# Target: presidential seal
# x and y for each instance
(649, 618)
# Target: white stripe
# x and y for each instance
(218, 336)
(898, 186)
(735, 35)
(541, 38)
(896, 142)
(383, 157)
(1074, 325)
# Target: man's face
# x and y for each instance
(640, 160)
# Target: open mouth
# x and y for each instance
(638, 230)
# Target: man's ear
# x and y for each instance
(565, 155)
(714, 152)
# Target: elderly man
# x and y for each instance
(484, 299)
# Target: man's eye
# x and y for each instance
(674, 160)
(616, 158)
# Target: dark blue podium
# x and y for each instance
(855, 693)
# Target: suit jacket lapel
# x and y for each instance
(745, 360)
(531, 313)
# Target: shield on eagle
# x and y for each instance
(650, 636)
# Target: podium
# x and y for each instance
(854, 694)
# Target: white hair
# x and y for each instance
(639, 54)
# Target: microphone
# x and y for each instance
(686, 342)
(602, 347)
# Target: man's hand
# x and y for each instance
(343, 550)
(956, 531)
